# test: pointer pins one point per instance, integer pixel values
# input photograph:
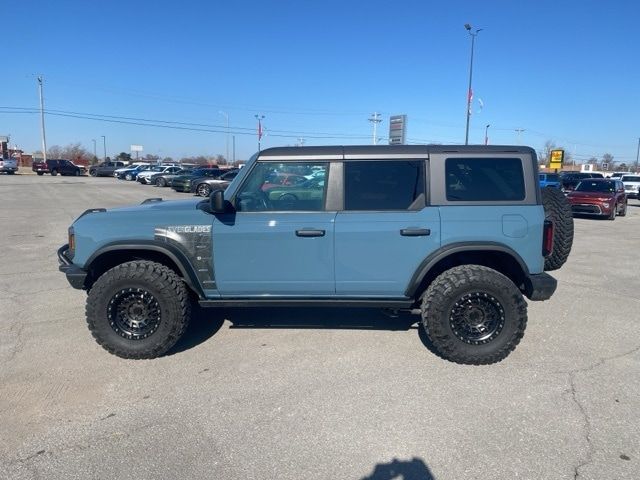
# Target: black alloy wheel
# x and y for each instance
(134, 313)
(476, 318)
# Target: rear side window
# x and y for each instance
(384, 185)
(484, 179)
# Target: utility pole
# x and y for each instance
(375, 118)
(44, 137)
(104, 146)
(300, 142)
(519, 131)
(637, 154)
(470, 92)
(234, 149)
(486, 134)
(226, 116)
(94, 149)
(259, 118)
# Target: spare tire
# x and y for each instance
(558, 210)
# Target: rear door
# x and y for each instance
(385, 228)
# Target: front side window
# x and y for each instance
(484, 179)
(384, 185)
(273, 186)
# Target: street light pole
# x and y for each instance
(94, 148)
(104, 146)
(226, 116)
(486, 134)
(44, 137)
(259, 118)
(637, 154)
(473, 35)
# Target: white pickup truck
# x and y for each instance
(8, 165)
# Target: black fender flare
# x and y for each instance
(172, 252)
(443, 252)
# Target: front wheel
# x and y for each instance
(138, 309)
(473, 315)
(623, 212)
(40, 173)
(93, 173)
(128, 177)
(161, 182)
(54, 173)
(612, 215)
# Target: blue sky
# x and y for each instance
(565, 71)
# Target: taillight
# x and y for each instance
(547, 238)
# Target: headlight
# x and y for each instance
(605, 205)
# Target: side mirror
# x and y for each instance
(216, 200)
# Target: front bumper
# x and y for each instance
(540, 286)
(75, 275)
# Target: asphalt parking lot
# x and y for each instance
(310, 393)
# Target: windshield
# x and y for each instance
(631, 178)
(591, 186)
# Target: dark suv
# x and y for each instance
(105, 169)
(55, 167)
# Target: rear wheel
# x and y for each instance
(161, 182)
(40, 173)
(54, 173)
(203, 190)
(558, 210)
(138, 309)
(473, 315)
(612, 215)
(93, 173)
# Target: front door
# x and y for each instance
(280, 239)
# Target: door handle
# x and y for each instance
(307, 232)
(415, 232)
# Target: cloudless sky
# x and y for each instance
(565, 71)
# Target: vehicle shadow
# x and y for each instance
(414, 469)
(205, 322)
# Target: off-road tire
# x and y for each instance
(163, 285)
(450, 292)
(203, 190)
(558, 209)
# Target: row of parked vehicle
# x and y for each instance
(593, 194)
(182, 178)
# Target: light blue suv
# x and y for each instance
(457, 234)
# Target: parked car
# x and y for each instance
(602, 197)
(205, 185)
(55, 167)
(130, 173)
(8, 165)
(165, 179)
(182, 183)
(105, 169)
(121, 172)
(549, 180)
(631, 185)
(142, 266)
(619, 175)
(144, 177)
(571, 179)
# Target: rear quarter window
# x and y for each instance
(484, 179)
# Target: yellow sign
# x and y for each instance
(557, 156)
(555, 165)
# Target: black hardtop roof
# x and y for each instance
(392, 150)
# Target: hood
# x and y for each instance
(592, 195)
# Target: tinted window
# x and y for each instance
(385, 185)
(273, 186)
(631, 178)
(553, 177)
(484, 179)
